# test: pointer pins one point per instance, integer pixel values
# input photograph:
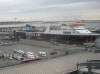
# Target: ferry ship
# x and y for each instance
(72, 32)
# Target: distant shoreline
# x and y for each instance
(22, 22)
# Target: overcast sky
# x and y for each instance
(49, 10)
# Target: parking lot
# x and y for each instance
(52, 51)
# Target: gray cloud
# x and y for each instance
(49, 9)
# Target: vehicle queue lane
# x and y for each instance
(59, 65)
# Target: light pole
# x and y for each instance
(15, 19)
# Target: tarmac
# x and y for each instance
(36, 46)
(60, 65)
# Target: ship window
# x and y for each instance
(67, 32)
(63, 24)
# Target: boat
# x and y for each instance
(70, 33)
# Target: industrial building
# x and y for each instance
(6, 31)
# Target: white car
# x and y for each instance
(30, 55)
(19, 57)
(42, 53)
(18, 51)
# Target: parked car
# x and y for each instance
(30, 55)
(17, 57)
(19, 51)
(42, 53)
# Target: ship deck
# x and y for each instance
(91, 34)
